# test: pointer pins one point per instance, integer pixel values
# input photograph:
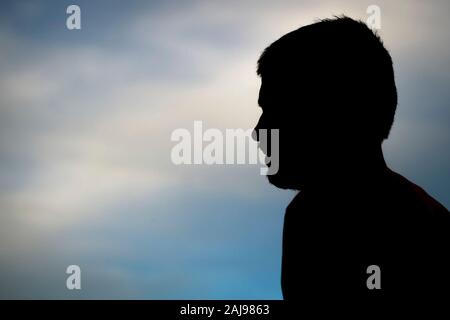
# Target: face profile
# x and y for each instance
(329, 89)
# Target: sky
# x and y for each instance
(85, 123)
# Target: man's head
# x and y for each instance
(329, 87)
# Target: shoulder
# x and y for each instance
(419, 197)
(296, 202)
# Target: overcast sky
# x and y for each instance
(85, 124)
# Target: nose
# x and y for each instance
(255, 135)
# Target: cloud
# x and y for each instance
(85, 123)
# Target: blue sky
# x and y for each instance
(86, 118)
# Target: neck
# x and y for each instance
(350, 167)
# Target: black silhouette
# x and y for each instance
(329, 88)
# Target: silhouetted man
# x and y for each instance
(329, 87)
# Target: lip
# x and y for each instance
(262, 149)
(267, 160)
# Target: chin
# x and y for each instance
(284, 182)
